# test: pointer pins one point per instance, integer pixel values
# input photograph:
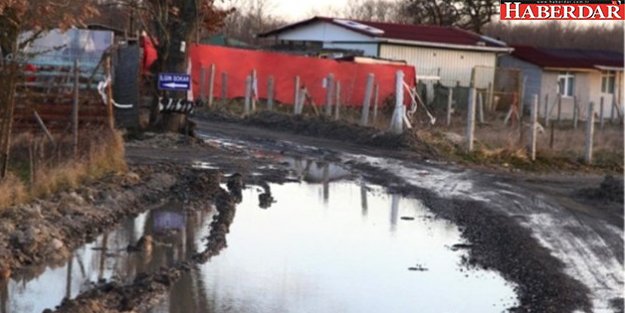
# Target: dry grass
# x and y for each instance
(498, 144)
(12, 191)
(101, 156)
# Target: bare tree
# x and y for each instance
(435, 12)
(560, 35)
(373, 10)
(250, 18)
(467, 14)
(171, 24)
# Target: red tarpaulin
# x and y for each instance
(239, 63)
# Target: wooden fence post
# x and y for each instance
(297, 97)
(270, 93)
(109, 94)
(337, 107)
(329, 94)
(376, 102)
(364, 117)
(450, 99)
(224, 86)
(534, 122)
(470, 131)
(590, 131)
(397, 121)
(601, 120)
(75, 110)
(248, 94)
(211, 85)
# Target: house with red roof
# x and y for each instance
(568, 76)
(444, 54)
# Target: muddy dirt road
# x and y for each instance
(327, 226)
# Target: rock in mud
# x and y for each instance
(610, 190)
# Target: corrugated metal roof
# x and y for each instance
(568, 58)
(417, 33)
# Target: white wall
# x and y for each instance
(454, 66)
(324, 32)
(587, 89)
(369, 49)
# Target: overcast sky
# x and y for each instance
(295, 10)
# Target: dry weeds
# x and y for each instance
(103, 154)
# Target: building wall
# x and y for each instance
(369, 49)
(323, 32)
(533, 75)
(453, 66)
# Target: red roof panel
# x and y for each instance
(423, 33)
(568, 58)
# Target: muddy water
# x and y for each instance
(326, 245)
(338, 247)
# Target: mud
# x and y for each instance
(500, 243)
(326, 127)
(148, 289)
(45, 231)
(610, 190)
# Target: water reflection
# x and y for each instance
(309, 255)
(175, 234)
(325, 247)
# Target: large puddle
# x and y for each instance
(337, 246)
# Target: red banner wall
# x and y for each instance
(239, 63)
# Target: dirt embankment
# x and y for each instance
(426, 143)
(148, 289)
(45, 231)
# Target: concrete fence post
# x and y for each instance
(613, 110)
(211, 85)
(203, 83)
(376, 102)
(364, 117)
(297, 97)
(576, 111)
(470, 131)
(337, 106)
(601, 120)
(546, 117)
(450, 99)
(480, 102)
(270, 93)
(224, 86)
(590, 131)
(533, 132)
(490, 97)
(254, 89)
(248, 94)
(559, 108)
(329, 94)
(397, 121)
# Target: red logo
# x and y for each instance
(562, 10)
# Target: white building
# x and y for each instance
(439, 53)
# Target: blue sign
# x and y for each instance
(175, 82)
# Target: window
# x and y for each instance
(608, 79)
(566, 84)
